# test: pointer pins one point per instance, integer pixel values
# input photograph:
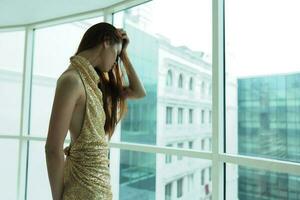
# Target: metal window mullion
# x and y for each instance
(248, 161)
(262, 163)
(218, 100)
(162, 150)
(25, 112)
(108, 15)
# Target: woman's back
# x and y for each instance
(86, 173)
(78, 106)
(78, 113)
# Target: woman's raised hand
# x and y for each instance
(125, 39)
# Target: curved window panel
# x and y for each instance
(152, 177)
(37, 172)
(53, 48)
(9, 150)
(262, 98)
(249, 183)
(11, 77)
(173, 67)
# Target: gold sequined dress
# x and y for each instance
(86, 170)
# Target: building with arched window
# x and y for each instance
(214, 124)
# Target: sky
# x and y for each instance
(190, 26)
(262, 36)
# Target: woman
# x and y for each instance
(89, 101)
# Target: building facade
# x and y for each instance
(269, 127)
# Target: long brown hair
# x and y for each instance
(111, 83)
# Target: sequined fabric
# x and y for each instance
(86, 170)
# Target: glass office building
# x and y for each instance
(139, 172)
(269, 127)
(137, 169)
(204, 131)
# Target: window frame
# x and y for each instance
(218, 155)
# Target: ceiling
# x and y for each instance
(20, 12)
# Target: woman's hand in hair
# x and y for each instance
(125, 40)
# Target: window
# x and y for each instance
(210, 116)
(127, 122)
(168, 156)
(202, 116)
(202, 176)
(190, 116)
(169, 78)
(168, 191)
(264, 120)
(209, 173)
(9, 168)
(262, 96)
(190, 144)
(203, 89)
(190, 182)
(11, 74)
(53, 46)
(151, 43)
(179, 187)
(261, 86)
(181, 63)
(169, 115)
(191, 86)
(136, 110)
(180, 115)
(153, 54)
(180, 81)
(179, 145)
(203, 144)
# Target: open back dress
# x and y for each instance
(86, 170)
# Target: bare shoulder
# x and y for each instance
(67, 95)
(69, 75)
(70, 80)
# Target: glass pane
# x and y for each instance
(11, 76)
(147, 176)
(37, 173)
(262, 102)
(166, 58)
(53, 48)
(9, 150)
(263, 79)
(248, 183)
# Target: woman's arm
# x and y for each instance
(66, 96)
(136, 88)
